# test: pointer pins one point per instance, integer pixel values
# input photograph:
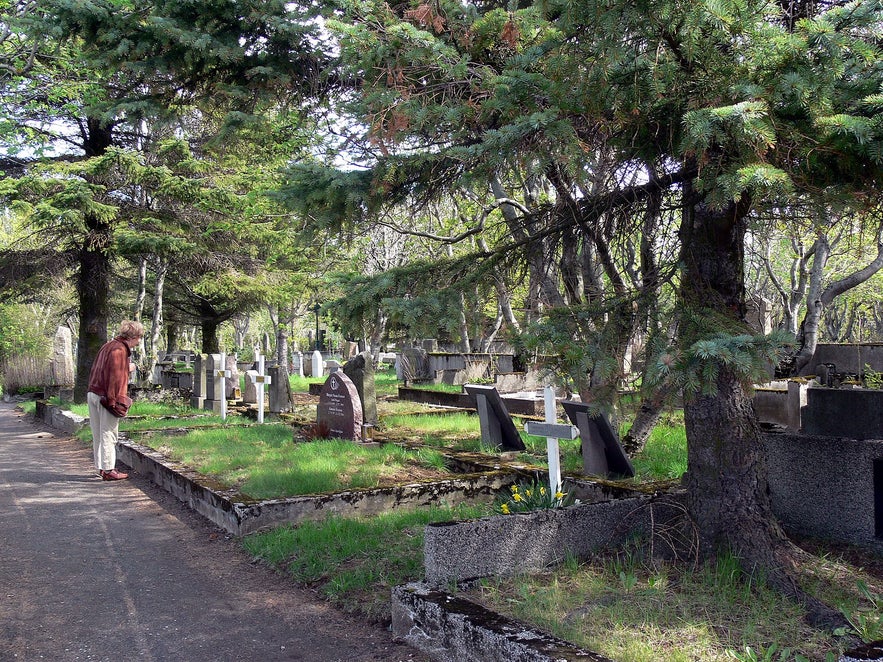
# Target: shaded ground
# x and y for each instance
(95, 570)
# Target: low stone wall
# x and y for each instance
(847, 357)
(825, 486)
(60, 419)
(451, 629)
(229, 510)
(509, 544)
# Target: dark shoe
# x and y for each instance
(114, 475)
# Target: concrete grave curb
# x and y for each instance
(450, 629)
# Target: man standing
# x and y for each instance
(108, 396)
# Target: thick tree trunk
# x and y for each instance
(93, 282)
(728, 498)
(93, 285)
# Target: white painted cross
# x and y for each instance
(552, 431)
(259, 380)
(221, 377)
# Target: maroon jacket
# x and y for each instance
(110, 373)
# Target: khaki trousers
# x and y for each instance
(105, 427)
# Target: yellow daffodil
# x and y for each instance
(543, 491)
(527, 492)
(505, 508)
(559, 495)
(517, 497)
(514, 488)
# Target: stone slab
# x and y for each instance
(448, 628)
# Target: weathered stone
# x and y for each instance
(360, 370)
(414, 364)
(281, 399)
(602, 453)
(62, 366)
(250, 395)
(200, 370)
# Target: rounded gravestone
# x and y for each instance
(340, 407)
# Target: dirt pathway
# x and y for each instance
(95, 570)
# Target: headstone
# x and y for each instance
(217, 376)
(231, 384)
(62, 358)
(602, 454)
(340, 408)
(316, 366)
(332, 366)
(497, 427)
(360, 370)
(415, 364)
(298, 363)
(280, 390)
(400, 368)
(430, 345)
(197, 397)
(250, 395)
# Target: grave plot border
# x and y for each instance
(239, 516)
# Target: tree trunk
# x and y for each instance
(93, 282)
(728, 498)
(157, 325)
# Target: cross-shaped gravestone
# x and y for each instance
(221, 376)
(259, 380)
(552, 431)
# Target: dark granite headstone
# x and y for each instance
(360, 369)
(497, 427)
(602, 454)
(340, 408)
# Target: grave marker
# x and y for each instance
(360, 369)
(259, 378)
(317, 363)
(220, 377)
(497, 427)
(552, 431)
(602, 454)
(340, 408)
(280, 389)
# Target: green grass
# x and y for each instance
(636, 611)
(263, 462)
(355, 562)
(385, 382)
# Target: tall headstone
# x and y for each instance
(318, 364)
(200, 368)
(63, 358)
(231, 385)
(497, 428)
(340, 408)
(360, 370)
(298, 362)
(280, 390)
(215, 385)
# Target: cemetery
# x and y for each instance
(562, 312)
(506, 452)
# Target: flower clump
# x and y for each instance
(527, 497)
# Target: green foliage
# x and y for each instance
(696, 369)
(865, 622)
(527, 497)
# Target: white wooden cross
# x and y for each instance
(221, 377)
(552, 431)
(259, 380)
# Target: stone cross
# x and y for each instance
(221, 376)
(259, 380)
(552, 431)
